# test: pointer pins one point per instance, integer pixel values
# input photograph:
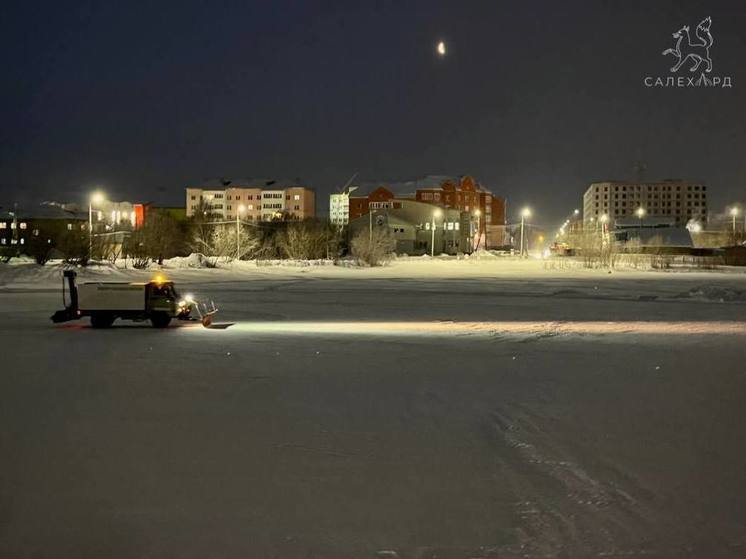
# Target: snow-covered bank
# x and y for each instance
(25, 274)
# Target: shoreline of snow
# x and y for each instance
(25, 274)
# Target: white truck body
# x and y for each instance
(94, 296)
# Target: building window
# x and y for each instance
(296, 197)
(3, 225)
(36, 232)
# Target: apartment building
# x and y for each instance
(256, 199)
(20, 226)
(678, 200)
(339, 207)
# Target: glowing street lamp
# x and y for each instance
(603, 219)
(96, 198)
(734, 214)
(478, 215)
(525, 212)
(240, 210)
(436, 213)
(640, 213)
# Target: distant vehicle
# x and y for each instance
(104, 302)
(560, 249)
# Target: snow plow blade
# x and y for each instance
(206, 313)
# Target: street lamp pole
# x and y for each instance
(521, 235)
(640, 214)
(95, 198)
(436, 213)
(733, 214)
(478, 213)
(525, 212)
(238, 232)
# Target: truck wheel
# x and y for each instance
(102, 320)
(160, 319)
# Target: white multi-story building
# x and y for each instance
(675, 200)
(257, 199)
(339, 207)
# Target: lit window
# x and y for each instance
(23, 225)
(3, 225)
(69, 226)
(296, 197)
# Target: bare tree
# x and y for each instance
(162, 236)
(373, 249)
(307, 240)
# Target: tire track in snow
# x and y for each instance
(564, 510)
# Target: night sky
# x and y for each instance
(534, 98)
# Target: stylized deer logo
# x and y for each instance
(698, 52)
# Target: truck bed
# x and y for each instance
(111, 296)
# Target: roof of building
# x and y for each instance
(221, 183)
(407, 188)
(645, 182)
(47, 210)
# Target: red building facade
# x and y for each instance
(460, 193)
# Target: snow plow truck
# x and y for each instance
(156, 300)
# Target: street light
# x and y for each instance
(96, 198)
(640, 213)
(478, 214)
(734, 214)
(241, 208)
(603, 219)
(525, 212)
(436, 213)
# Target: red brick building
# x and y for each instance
(462, 193)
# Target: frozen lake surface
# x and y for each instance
(427, 409)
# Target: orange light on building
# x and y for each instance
(139, 212)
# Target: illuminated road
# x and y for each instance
(382, 419)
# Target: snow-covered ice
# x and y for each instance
(433, 407)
